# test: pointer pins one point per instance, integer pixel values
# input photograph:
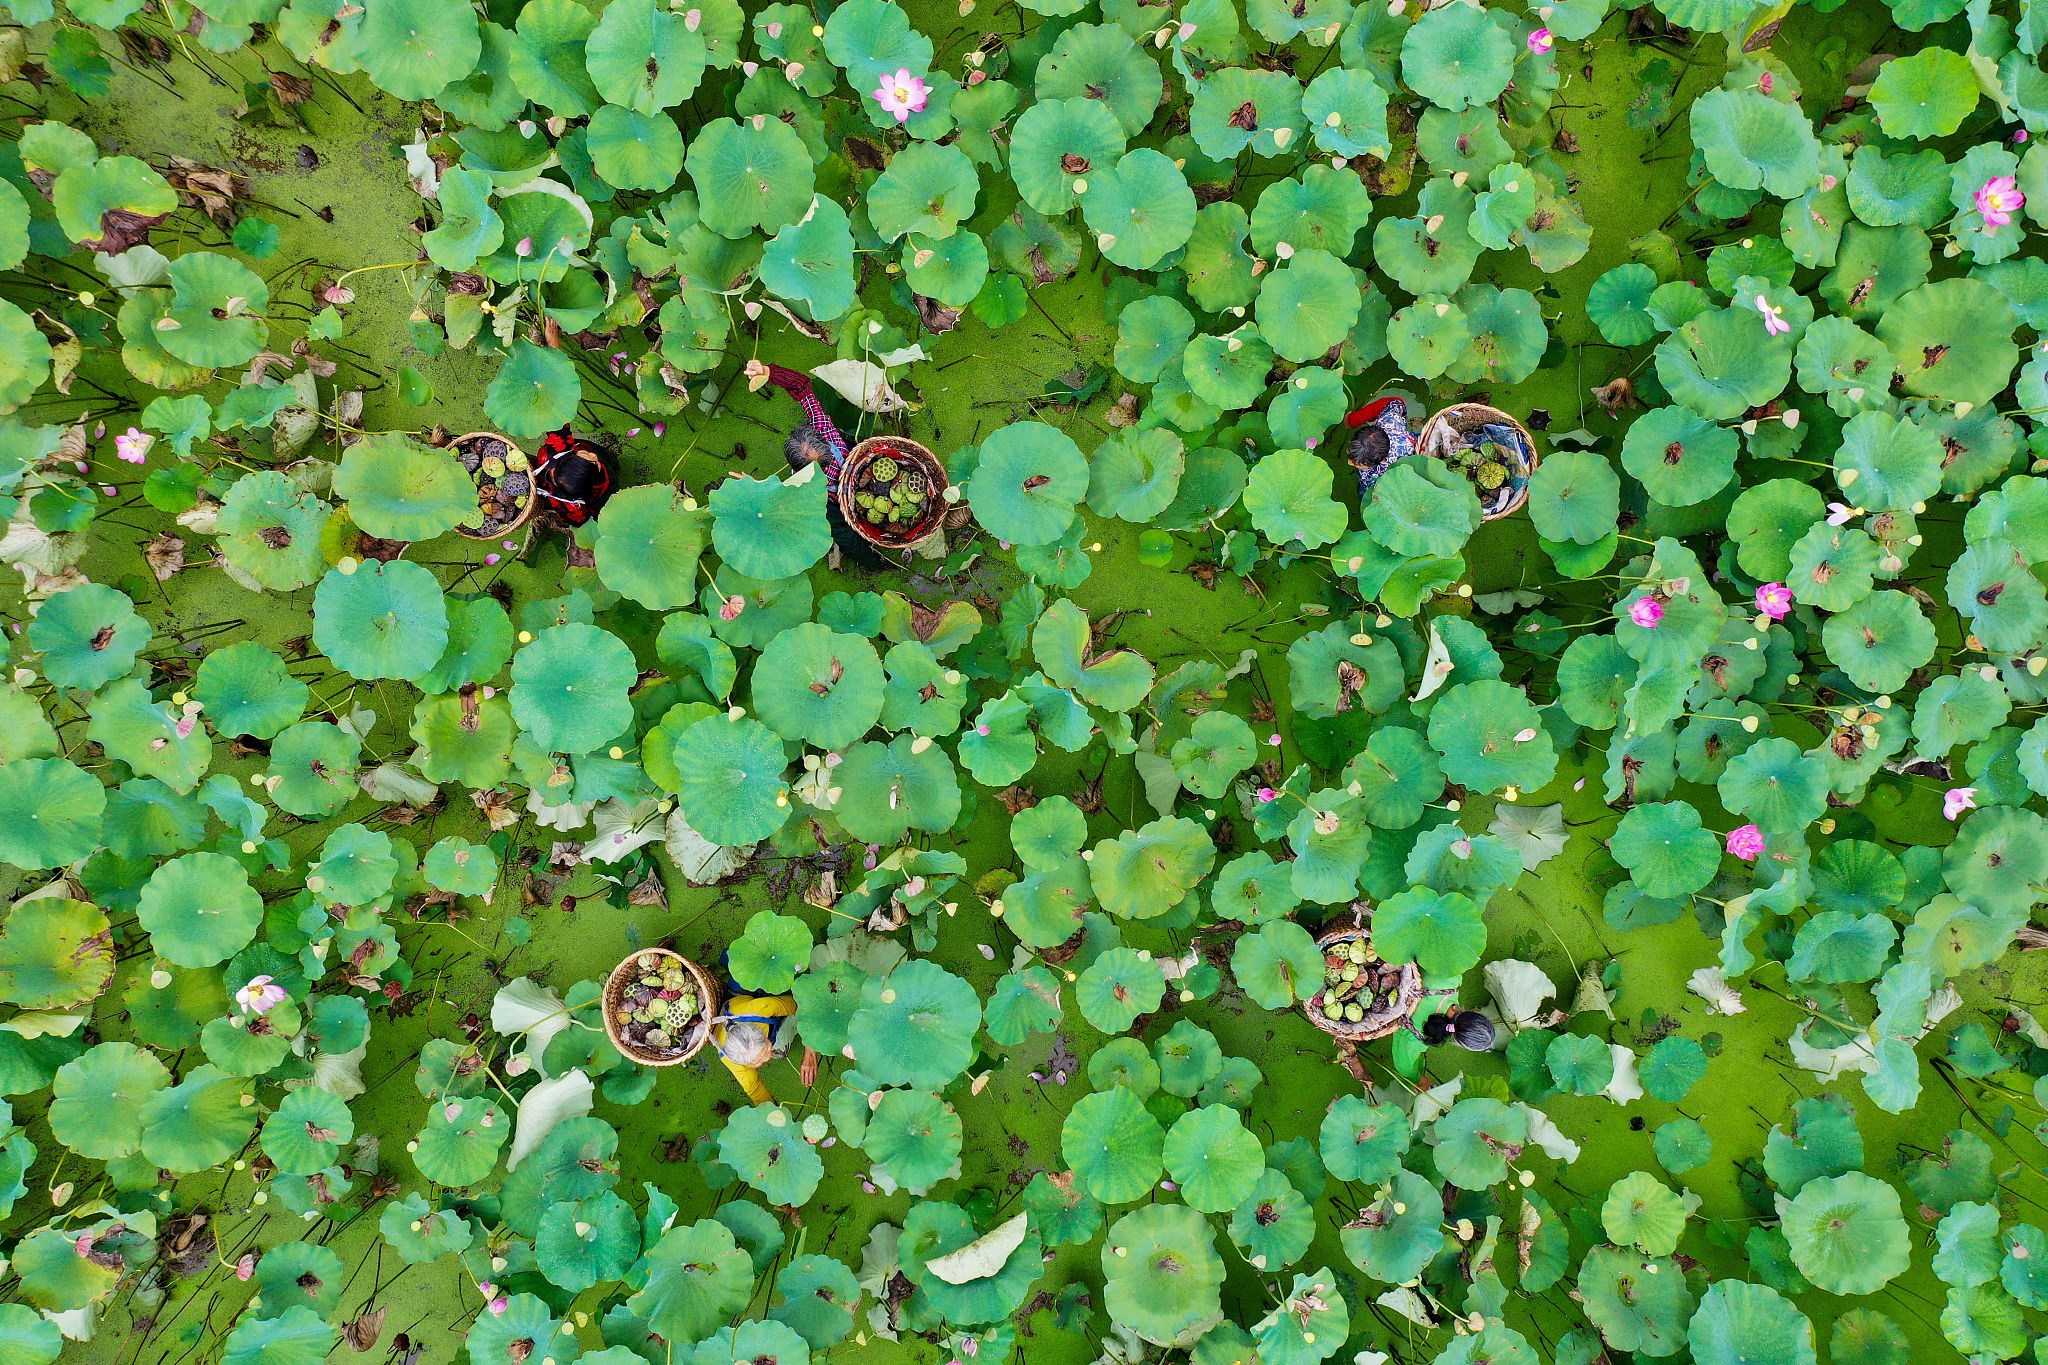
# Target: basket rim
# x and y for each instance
(1369, 1029)
(857, 456)
(526, 508)
(1464, 411)
(708, 994)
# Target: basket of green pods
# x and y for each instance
(658, 1007)
(892, 491)
(1362, 998)
(1487, 446)
(503, 475)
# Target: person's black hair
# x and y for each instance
(573, 477)
(806, 446)
(1469, 1029)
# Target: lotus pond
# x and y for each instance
(1707, 785)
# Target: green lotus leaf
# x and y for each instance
(569, 689)
(729, 780)
(1636, 1304)
(456, 865)
(1277, 966)
(1347, 111)
(1927, 94)
(817, 685)
(1771, 784)
(97, 1098)
(1678, 457)
(1052, 831)
(1579, 1064)
(313, 765)
(1643, 1212)
(1575, 496)
(1218, 269)
(1835, 946)
(399, 490)
(1217, 748)
(1100, 62)
(88, 636)
(1237, 108)
(1889, 462)
(377, 620)
(199, 1122)
(1421, 508)
(25, 358)
(1665, 849)
(460, 1143)
(1117, 987)
(1958, 709)
(1165, 1285)
(697, 1278)
(1057, 142)
(1682, 1145)
(1000, 747)
(462, 739)
(1140, 209)
(811, 261)
(1617, 302)
(927, 189)
(1766, 520)
(1145, 872)
(1363, 1141)
(1113, 1145)
(1671, 1068)
(2004, 604)
(1752, 141)
(1023, 1003)
(817, 1295)
(216, 313)
(1479, 728)
(1471, 1138)
(915, 1026)
(923, 696)
(1026, 483)
(1722, 363)
(294, 1336)
(469, 228)
(589, 1241)
(1846, 364)
(633, 150)
(1832, 567)
(1441, 932)
(644, 57)
(950, 271)
(1116, 681)
(648, 543)
(1457, 60)
(1989, 856)
(914, 1138)
(1288, 498)
(55, 953)
(1213, 1158)
(526, 1324)
(1874, 268)
(767, 1148)
(270, 529)
(308, 1131)
(1307, 306)
(199, 909)
(751, 173)
(1274, 1224)
(57, 1276)
(1429, 337)
(1952, 340)
(1397, 1234)
(412, 51)
(1508, 336)
(92, 198)
(27, 1338)
(895, 787)
(1434, 252)
(1151, 333)
(1228, 371)
(150, 736)
(247, 690)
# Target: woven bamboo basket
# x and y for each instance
(901, 449)
(525, 512)
(710, 999)
(1380, 1023)
(1446, 429)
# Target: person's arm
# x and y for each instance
(798, 386)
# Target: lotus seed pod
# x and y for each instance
(657, 1038)
(1354, 1014)
(883, 470)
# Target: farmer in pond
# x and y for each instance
(818, 442)
(1382, 437)
(753, 1031)
(573, 477)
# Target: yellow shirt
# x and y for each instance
(740, 1006)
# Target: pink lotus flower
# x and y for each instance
(245, 1267)
(261, 995)
(1541, 41)
(1774, 600)
(133, 445)
(525, 247)
(1998, 199)
(730, 609)
(1956, 800)
(1267, 794)
(1746, 843)
(1646, 612)
(1841, 513)
(1774, 318)
(903, 95)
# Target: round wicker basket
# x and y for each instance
(1448, 427)
(709, 997)
(1379, 1023)
(525, 512)
(900, 449)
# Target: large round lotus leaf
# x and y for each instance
(769, 529)
(644, 56)
(1873, 268)
(1363, 1141)
(635, 151)
(1766, 520)
(378, 620)
(216, 315)
(1135, 473)
(413, 50)
(463, 740)
(648, 544)
(199, 1122)
(1023, 1003)
(1024, 487)
(1473, 1140)
(1771, 784)
(1665, 849)
(535, 391)
(1347, 111)
(816, 685)
(88, 636)
(26, 1337)
(1421, 507)
(1638, 1304)
(767, 1148)
(1508, 336)
(915, 1026)
(1113, 1144)
(1218, 269)
(1213, 1158)
(199, 909)
(1217, 748)
(1429, 337)
(589, 1241)
(1751, 141)
(1457, 56)
(569, 688)
(399, 490)
(1119, 986)
(96, 1099)
(459, 1145)
(1140, 209)
(1441, 932)
(55, 953)
(1288, 498)
(1057, 142)
(1100, 62)
(1163, 1276)
(1151, 333)
(1616, 304)
(1749, 1324)
(1927, 94)
(1832, 567)
(1145, 872)
(751, 173)
(1889, 187)
(247, 690)
(270, 529)
(969, 1279)
(1245, 107)
(1679, 458)
(314, 764)
(890, 789)
(1996, 856)
(1952, 340)
(1228, 371)
(1642, 1211)
(1594, 678)
(1279, 965)
(1307, 306)
(1958, 709)
(816, 1296)
(149, 736)
(1274, 1224)
(927, 188)
(1722, 363)
(93, 197)
(1433, 252)
(1852, 368)
(1574, 496)
(2005, 606)
(1491, 737)
(56, 1277)
(1400, 1232)
(871, 39)
(949, 270)
(914, 1138)
(25, 356)
(729, 780)
(308, 1131)
(811, 261)
(526, 1324)
(294, 1336)
(1887, 463)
